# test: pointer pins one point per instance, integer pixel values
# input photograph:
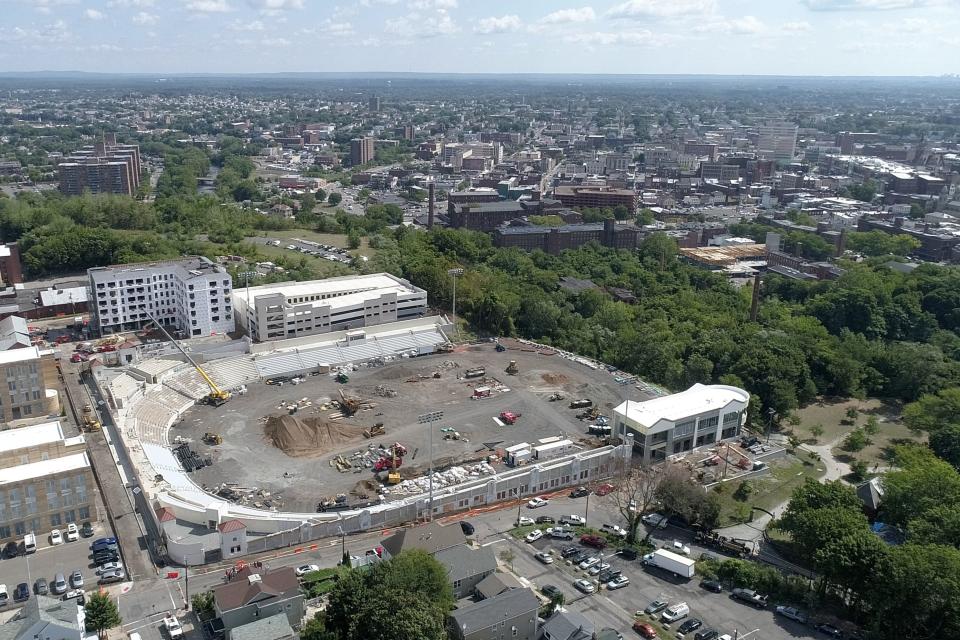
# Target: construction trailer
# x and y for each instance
(553, 449)
(518, 454)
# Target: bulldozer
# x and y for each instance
(374, 431)
(555, 396)
(512, 368)
(212, 438)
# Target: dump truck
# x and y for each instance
(583, 403)
(676, 564)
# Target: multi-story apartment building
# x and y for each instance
(296, 309)
(698, 417)
(106, 167)
(362, 151)
(777, 141)
(46, 481)
(26, 393)
(577, 197)
(192, 293)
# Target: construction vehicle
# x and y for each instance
(477, 372)
(342, 378)
(217, 396)
(90, 422)
(374, 431)
(583, 403)
(555, 396)
(512, 368)
(348, 406)
(500, 348)
(481, 392)
(509, 417)
(212, 438)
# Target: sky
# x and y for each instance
(738, 37)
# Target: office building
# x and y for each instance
(361, 151)
(373, 104)
(777, 141)
(46, 482)
(698, 417)
(553, 240)
(28, 392)
(487, 216)
(106, 167)
(192, 294)
(296, 309)
(577, 197)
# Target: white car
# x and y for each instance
(524, 521)
(110, 566)
(537, 502)
(172, 625)
(534, 535)
(545, 557)
(792, 613)
(589, 562)
(597, 568)
(56, 537)
(585, 586)
(655, 520)
(679, 547)
(305, 569)
(73, 533)
(618, 583)
(573, 519)
(614, 529)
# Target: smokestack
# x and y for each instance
(755, 302)
(431, 199)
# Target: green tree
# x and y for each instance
(856, 440)
(921, 484)
(202, 603)
(858, 470)
(315, 629)
(353, 240)
(872, 426)
(853, 562)
(246, 190)
(334, 198)
(933, 410)
(400, 615)
(101, 613)
(945, 442)
(659, 248)
(817, 431)
(508, 556)
(308, 202)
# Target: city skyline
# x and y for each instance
(725, 37)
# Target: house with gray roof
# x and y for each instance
(251, 596)
(431, 537)
(511, 615)
(568, 625)
(466, 567)
(275, 627)
(496, 583)
(46, 618)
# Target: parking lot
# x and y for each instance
(49, 560)
(617, 608)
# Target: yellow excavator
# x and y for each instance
(217, 396)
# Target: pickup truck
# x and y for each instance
(749, 596)
(172, 625)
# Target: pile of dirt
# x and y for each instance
(309, 436)
(554, 378)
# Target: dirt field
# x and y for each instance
(249, 458)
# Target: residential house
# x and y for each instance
(275, 627)
(431, 537)
(495, 584)
(568, 625)
(511, 615)
(46, 618)
(251, 596)
(466, 567)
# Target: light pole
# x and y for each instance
(343, 546)
(428, 419)
(773, 414)
(455, 272)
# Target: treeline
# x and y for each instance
(871, 332)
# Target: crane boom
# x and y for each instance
(217, 395)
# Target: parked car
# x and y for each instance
(707, 634)
(609, 574)
(172, 625)
(712, 585)
(792, 613)
(579, 492)
(679, 547)
(11, 550)
(645, 630)
(40, 587)
(584, 586)
(59, 585)
(56, 537)
(534, 535)
(589, 562)
(593, 541)
(573, 520)
(115, 575)
(597, 568)
(109, 566)
(550, 590)
(105, 556)
(524, 521)
(537, 502)
(570, 551)
(72, 534)
(304, 569)
(628, 553)
(655, 520)
(544, 557)
(749, 596)
(544, 520)
(86, 530)
(655, 607)
(675, 612)
(4, 596)
(604, 489)
(690, 625)
(104, 541)
(829, 630)
(614, 529)
(560, 533)
(618, 582)
(582, 555)
(76, 579)
(467, 528)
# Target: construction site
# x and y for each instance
(362, 434)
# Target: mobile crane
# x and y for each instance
(217, 396)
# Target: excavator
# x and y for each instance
(217, 396)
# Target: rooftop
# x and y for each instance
(378, 282)
(44, 468)
(462, 561)
(73, 295)
(697, 399)
(241, 590)
(275, 627)
(26, 437)
(431, 537)
(190, 265)
(19, 355)
(486, 613)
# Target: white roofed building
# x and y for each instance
(296, 309)
(681, 422)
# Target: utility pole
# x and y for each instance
(428, 419)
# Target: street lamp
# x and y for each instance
(428, 419)
(343, 545)
(455, 272)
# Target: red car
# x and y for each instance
(593, 541)
(604, 489)
(644, 629)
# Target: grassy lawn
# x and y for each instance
(766, 491)
(878, 452)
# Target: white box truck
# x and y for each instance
(672, 562)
